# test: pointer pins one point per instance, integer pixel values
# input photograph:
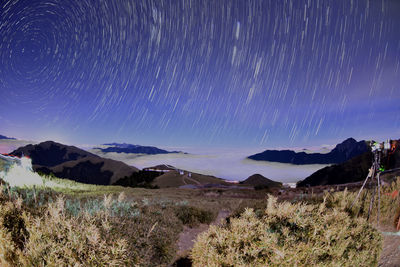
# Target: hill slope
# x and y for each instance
(175, 179)
(259, 180)
(74, 163)
(354, 170)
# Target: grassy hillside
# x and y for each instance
(174, 179)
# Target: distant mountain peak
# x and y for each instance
(260, 180)
(6, 138)
(348, 142)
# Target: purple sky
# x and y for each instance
(201, 73)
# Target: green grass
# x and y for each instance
(70, 187)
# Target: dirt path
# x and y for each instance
(190, 179)
(390, 256)
(188, 235)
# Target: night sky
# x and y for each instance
(211, 73)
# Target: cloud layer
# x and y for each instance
(227, 165)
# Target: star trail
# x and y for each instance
(200, 73)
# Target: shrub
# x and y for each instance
(289, 235)
(36, 230)
(152, 236)
(57, 239)
(258, 207)
(192, 215)
(139, 179)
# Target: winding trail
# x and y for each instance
(188, 235)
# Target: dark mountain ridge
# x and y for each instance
(50, 153)
(342, 152)
(354, 170)
(3, 137)
(74, 163)
(135, 149)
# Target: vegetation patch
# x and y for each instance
(290, 235)
(192, 216)
(388, 205)
(45, 228)
(74, 224)
(139, 179)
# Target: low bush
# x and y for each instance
(139, 179)
(192, 216)
(258, 207)
(289, 235)
(56, 239)
(84, 232)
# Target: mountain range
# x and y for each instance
(342, 152)
(135, 149)
(79, 165)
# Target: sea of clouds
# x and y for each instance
(229, 164)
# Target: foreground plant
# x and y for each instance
(90, 232)
(57, 239)
(290, 235)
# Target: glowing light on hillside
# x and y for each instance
(18, 172)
